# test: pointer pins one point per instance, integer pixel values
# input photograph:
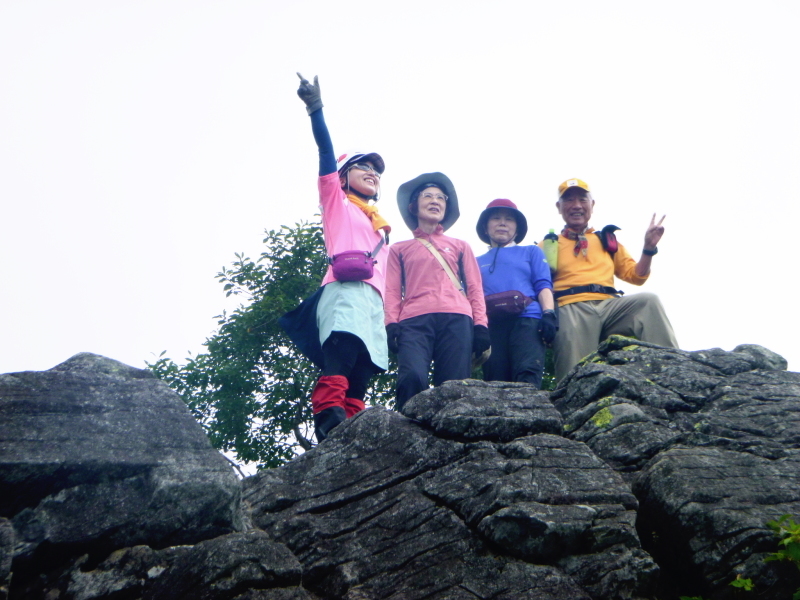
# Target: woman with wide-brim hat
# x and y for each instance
(518, 338)
(434, 299)
(341, 328)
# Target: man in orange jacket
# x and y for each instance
(590, 308)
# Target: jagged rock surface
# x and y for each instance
(96, 456)
(436, 507)
(710, 441)
(477, 491)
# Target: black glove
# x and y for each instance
(392, 333)
(480, 340)
(310, 94)
(548, 325)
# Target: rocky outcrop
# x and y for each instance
(649, 473)
(710, 442)
(96, 456)
(435, 506)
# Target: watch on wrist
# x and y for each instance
(652, 252)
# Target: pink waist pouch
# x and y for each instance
(353, 265)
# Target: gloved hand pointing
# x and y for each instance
(310, 94)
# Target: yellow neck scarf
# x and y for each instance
(378, 222)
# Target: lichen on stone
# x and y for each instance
(602, 418)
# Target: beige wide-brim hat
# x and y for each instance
(440, 180)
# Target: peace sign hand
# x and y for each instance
(654, 232)
(310, 94)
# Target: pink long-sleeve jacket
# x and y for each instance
(428, 289)
(346, 227)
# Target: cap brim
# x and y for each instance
(570, 187)
(373, 157)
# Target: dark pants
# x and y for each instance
(517, 351)
(445, 339)
(346, 355)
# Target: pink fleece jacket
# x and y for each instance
(346, 227)
(428, 289)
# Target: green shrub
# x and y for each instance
(788, 533)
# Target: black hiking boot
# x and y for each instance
(327, 419)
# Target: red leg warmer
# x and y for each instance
(329, 392)
(352, 406)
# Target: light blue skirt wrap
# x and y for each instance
(355, 307)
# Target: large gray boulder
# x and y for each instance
(228, 566)
(96, 456)
(237, 566)
(649, 473)
(710, 441)
(439, 506)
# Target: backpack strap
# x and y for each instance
(608, 239)
(402, 275)
(443, 263)
(550, 245)
(378, 247)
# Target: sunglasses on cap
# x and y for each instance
(362, 166)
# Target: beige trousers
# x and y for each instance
(583, 325)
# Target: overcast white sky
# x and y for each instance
(143, 143)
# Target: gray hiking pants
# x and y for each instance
(583, 325)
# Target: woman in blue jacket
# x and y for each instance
(518, 340)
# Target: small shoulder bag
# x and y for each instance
(477, 361)
(355, 265)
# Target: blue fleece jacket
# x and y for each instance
(522, 268)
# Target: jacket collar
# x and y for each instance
(418, 233)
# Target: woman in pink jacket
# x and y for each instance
(432, 315)
(349, 314)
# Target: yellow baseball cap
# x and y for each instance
(572, 183)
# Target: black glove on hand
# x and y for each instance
(480, 340)
(392, 333)
(310, 94)
(548, 325)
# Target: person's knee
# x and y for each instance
(646, 300)
(647, 309)
(655, 325)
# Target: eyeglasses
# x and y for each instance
(431, 196)
(366, 167)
